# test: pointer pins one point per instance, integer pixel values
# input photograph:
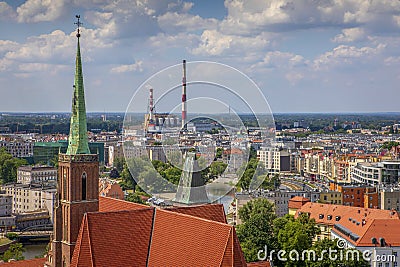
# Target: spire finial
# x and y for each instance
(79, 24)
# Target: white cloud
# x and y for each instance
(345, 54)
(350, 35)
(40, 10)
(55, 46)
(216, 43)
(6, 45)
(163, 40)
(137, 66)
(42, 67)
(391, 61)
(280, 60)
(6, 12)
(174, 22)
(246, 16)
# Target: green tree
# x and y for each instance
(256, 230)
(294, 234)
(119, 164)
(14, 252)
(248, 173)
(217, 168)
(9, 166)
(136, 197)
(219, 152)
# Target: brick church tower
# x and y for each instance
(78, 178)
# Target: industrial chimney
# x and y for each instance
(151, 105)
(184, 127)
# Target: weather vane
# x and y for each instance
(79, 24)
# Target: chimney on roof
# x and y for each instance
(382, 241)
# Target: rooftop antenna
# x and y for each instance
(78, 23)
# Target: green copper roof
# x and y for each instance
(78, 140)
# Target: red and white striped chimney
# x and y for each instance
(184, 96)
(151, 105)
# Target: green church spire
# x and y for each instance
(78, 140)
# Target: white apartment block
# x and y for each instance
(270, 157)
(36, 175)
(385, 172)
(28, 198)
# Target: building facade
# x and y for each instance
(36, 175)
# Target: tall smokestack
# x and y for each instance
(184, 96)
(151, 105)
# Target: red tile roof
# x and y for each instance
(155, 237)
(381, 228)
(259, 264)
(214, 212)
(297, 201)
(362, 223)
(377, 228)
(113, 238)
(191, 241)
(345, 213)
(113, 204)
(25, 263)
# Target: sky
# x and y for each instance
(304, 55)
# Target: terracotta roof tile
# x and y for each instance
(361, 222)
(25, 263)
(345, 213)
(189, 241)
(297, 201)
(113, 204)
(185, 236)
(214, 212)
(377, 228)
(114, 238)
(381, 228)
(259, 264)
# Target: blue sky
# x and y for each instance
(305, 55)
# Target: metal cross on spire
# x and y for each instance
(78, 23)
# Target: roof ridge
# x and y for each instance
(151, 237)
(200, 218)
(90, 243)
(118, 211)
(229, 235)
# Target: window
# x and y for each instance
(84, 184)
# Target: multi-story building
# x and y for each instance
(18, 148)
(270, 157)
(331, 197)
(328, 216)
(356, 195)
(28, 198)
(281, 199)
(7, 220)
(296, 203)
(390, 199)
(371, 237)
(36, 175)
(385, 172)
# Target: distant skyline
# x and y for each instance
(306, 56)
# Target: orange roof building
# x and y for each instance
(328, 215)
(296, 203)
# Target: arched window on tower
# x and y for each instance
(84, 185)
